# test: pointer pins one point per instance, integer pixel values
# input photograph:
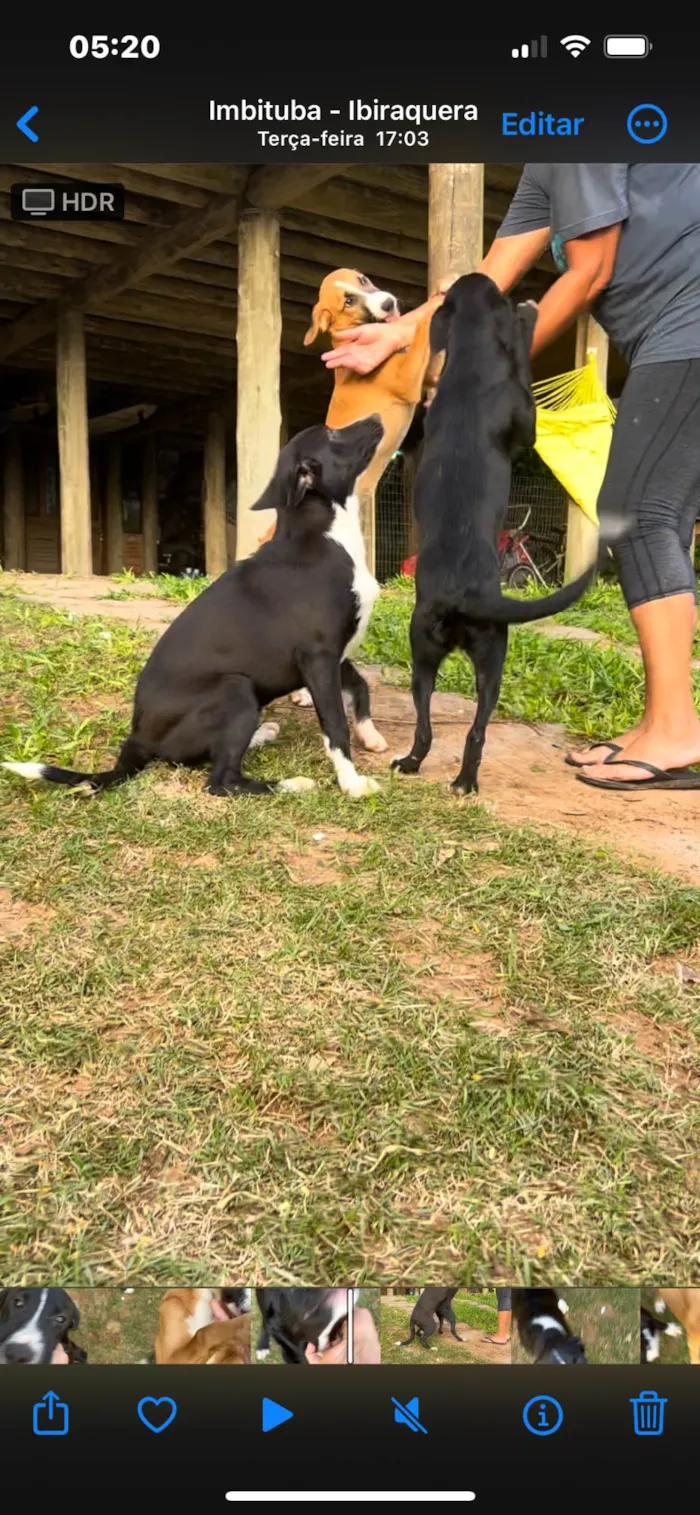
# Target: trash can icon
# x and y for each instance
(648, 1410)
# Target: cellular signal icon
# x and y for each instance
(530, 49)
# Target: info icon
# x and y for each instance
(543, 1415)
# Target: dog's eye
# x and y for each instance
(18, 1301)
(350, 299)
(60, 1319)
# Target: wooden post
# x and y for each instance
(14, 551)
(115, 509)
(455, 220)
(581, 534)
(149, 505)
(214, 496)
(73, 446)
(259, 334)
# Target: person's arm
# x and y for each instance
(591, 261)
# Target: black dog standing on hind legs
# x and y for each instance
(283, 619)
(432, 1309)
(482, 414)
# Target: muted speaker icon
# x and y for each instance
(407, 1415)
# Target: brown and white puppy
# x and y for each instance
(685, 1305)
(204, 1326)
(346, 299)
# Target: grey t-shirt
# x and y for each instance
(651, 309)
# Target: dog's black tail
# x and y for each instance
(132, 759)
(517, 612)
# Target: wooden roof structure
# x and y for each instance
(159, 288)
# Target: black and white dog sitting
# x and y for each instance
(432, 1309)
(297, 1318)
(283, 619)
(34, 1322)
(651, 1331)
(540, 1318)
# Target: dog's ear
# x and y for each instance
(526, 319)
(440, 328)
(524, 412)
(320, 321)
(286, 490)
(303, 480)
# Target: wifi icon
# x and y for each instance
(575, 45)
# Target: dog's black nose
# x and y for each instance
(389, 303)
(18, 1353)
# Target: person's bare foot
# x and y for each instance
(661, 751)
(498, 1341)
(601, 751)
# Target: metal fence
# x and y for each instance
(537, 500)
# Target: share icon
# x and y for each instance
(407, 1415)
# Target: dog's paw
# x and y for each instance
(407, 765)
(301, 697)
(359, 786)
(296, 786)
(461, 787)
(267, 732)
(369, 738)
(263, 1355)
(673, 1330)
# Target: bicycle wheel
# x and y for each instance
(520, 576)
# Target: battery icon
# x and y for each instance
(627, 47)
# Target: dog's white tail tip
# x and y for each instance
(296, 786)
(27, 770)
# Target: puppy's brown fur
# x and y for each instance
(181, 1339)
(685, 1304)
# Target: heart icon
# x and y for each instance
(157, 1414)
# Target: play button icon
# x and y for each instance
(274, 1415)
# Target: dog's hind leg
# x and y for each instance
(487, 649)
(427, 652)
(451, 1318)
(357, 688)
(236, 728)
(322, 675)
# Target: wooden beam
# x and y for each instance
(259, 334)
(455, 219)
(581, 534)
(189, 232)
(115, 509)
(271, 188)
(214, 495)
(149, 505)
(14, 547)
(73, 446)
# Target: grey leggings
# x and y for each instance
(652, 483)
(503, 1299)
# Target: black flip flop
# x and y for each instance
(611, 745)
(669, 778)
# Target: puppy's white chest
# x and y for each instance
(346, 531)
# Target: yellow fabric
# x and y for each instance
(574, 431)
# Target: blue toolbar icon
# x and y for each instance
(407, 1415)
(23, 123)
(647, 124)
(50, 1417)
(543, 1415)
(274, 1415)
(648, 1411)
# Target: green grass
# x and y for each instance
(165, 585)
(100, 1332)
(605, 1320)
(442, 1052)
(601, 609)
(672, 1349)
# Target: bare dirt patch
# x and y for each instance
(326, 857)
(17, 916)
(524, 780)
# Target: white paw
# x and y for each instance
(296, 786)
(301, 697)
(674, 1330)
(360, 786)
(369, 738)
(263, 1354)
(268, 732)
